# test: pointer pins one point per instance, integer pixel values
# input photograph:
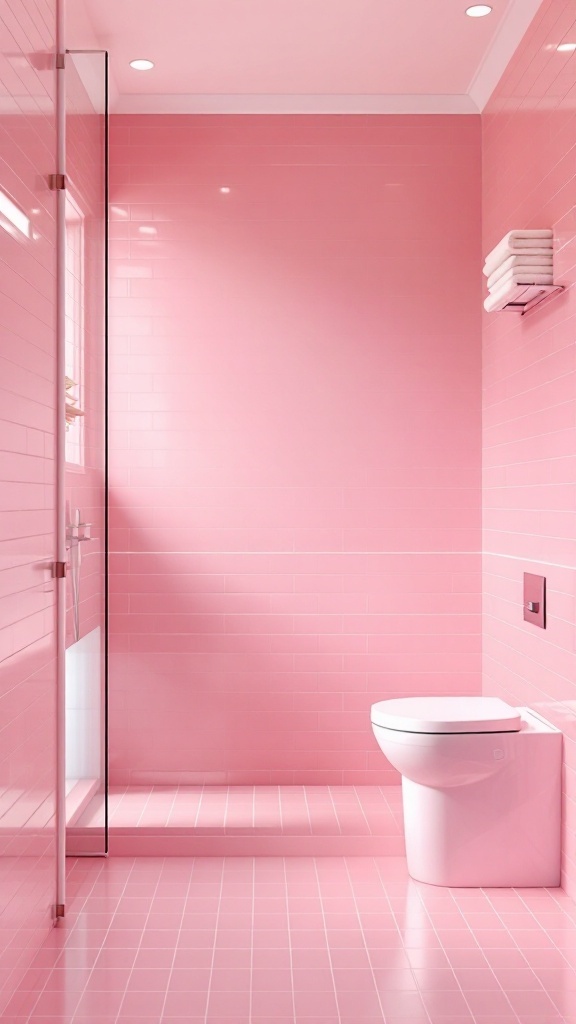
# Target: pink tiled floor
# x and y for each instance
(298, 941)
(253, 820)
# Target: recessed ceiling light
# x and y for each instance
(478, 10)
(225, 190)
(142, 65)
(566, 47)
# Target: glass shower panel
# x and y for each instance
(85, 339)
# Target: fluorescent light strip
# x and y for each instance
(14, 214)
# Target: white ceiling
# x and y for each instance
(357, 56)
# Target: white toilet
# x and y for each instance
(481, 785)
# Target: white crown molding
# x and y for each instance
(512, 28)
(201, 103)
(514, 24)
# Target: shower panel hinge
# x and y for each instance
(57, 182)
(60, 61)
(60, 910)
(58, 570)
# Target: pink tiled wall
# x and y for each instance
(27, 600)
(295, 438)
(529, 156)
(85, 483)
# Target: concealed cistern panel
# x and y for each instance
(535, 599)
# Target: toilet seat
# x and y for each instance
(446, 715)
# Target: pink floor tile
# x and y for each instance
(185, 1004)
(292, 942)
(253, 820)
(271, 1004)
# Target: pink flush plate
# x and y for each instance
(535, 599)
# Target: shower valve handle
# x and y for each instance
(79, 531)
(84, 531)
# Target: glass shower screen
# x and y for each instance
(86, 474)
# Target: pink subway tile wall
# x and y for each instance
(529, 157)
(85, 480)
(295, 438)
(27, 600)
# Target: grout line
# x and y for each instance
(521, 394)
(195, 825)
(362, 809)
(142, 932)
(443, 948)
(518, 892)
(569, 402)
(114, 804)
(334, 808)
(310, 824)
(252, 923)
(520, 558)
(328, 950)
(224, 825)
(514, 945)
(366, 948)
(287, 902)
(209, 986)
(519, 631)
(490, 966)
(513, 604)
(138, 825)
(177, 942)
(396, 812)
(172, 805)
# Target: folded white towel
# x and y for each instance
(523, 236)
(500, 298)
(489, 268)
(523, 277)
(523, 264)
(516, 233)
(511, 293)
(516, 242)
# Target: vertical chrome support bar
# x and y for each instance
(60, 582)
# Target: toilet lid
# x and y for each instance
(446, 714)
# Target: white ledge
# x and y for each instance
(200, 103)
